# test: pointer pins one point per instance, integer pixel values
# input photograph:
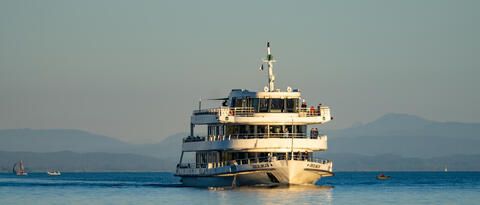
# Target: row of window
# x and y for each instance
(255, 129)
(267, 105)
(214, 157)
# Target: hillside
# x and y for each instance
(407, 135)
(54, 140)
(72, 161)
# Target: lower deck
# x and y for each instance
(254, 172)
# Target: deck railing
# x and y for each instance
(250, 161)
(209, 111)
(194, 139)
(249, 111)
(312, 112)
(242, 111)
(252, 136)
(245, 161)
(230, 111)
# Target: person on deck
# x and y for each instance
(304, 104)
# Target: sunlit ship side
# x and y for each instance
(256, 138)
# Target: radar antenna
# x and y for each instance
(269, 61)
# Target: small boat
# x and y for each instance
(54, 173)
(19, 169)
(383, 177)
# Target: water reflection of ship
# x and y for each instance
(283, 193)
(19, 169)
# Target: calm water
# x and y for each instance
(161, 188)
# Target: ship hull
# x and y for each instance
(281, 172)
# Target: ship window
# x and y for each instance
(288, 129)
(248, 102)
(242, 129)
(279, 156)
(249, 130)
(301, 129)
(255, 104)
(276, 129)
(239, 102)
(292, 105)
(232, 103)
(263, 105)
(277, 105)
(261, 130)
(232, 130)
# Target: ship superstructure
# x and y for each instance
(256, 138)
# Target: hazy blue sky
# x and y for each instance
(134, 70)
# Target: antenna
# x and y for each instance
(200, 104)
(269, 61)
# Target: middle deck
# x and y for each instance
(228, 143)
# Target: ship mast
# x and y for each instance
(269, 61)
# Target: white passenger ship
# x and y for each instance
(256, 138)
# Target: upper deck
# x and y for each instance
(255, 108)
(250, 117)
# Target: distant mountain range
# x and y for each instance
(71, 161)
(389, 162)
(67, 146)
(392, 142)
(408, 136)
(54, 140)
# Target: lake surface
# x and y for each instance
(162, 188)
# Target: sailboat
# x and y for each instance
(21, 169)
